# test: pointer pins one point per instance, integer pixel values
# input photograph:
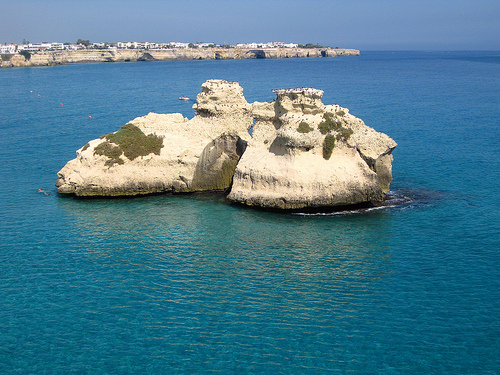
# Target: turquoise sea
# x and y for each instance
(191, 284)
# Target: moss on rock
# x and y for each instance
(328, 145)
(304, 127)
(129, 141)
(331, 124)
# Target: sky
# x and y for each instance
(359, 24)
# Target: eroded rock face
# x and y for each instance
(214, 135)
(307, 154)
(222, 99)
(217, 162)
(47, 58)
(301, 154)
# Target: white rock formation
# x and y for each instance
(301, 154)
(285, 166)
(214, 135)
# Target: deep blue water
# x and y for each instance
(194, 285)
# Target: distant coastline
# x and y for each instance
(51, 58)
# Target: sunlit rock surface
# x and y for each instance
(302, 153)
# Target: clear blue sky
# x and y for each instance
(361, 24)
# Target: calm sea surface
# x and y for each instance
(195, 285)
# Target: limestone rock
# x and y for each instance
(302, 153)
(221, 99)
(47, 58)
(285, 165)
(216, 165)
(192, 150)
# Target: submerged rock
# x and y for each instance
(301, 154)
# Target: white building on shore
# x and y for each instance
(8, 49)
(33, 47)
(267, 45)
(139, 45)
(179, 45)
(56, 46)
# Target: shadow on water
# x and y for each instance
(394, 199)
(225, 273)
(205, 235)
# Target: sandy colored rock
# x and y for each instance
(302, 153)
(284, 168)
(177, 168)
(47, 58)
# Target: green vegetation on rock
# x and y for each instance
(304, 127)
(344, 134)
(311, 45)
(26, 54)
(330, 124)
(111, 151)
(129, 141)
(134, 142)
(328, 145)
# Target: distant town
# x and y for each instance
(85, 44)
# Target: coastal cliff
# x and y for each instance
(301, 154)
(124, 55)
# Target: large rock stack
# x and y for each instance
(301, 154)
(307, 154)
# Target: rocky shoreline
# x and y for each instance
(302, 154)
(50, 58)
